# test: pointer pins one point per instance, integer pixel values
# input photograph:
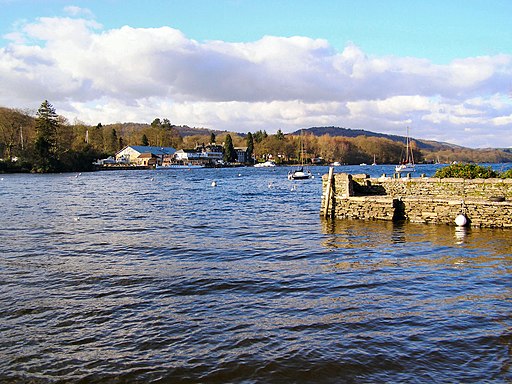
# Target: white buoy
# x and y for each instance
(214, 184)
(461, 220)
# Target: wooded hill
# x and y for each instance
(27, 138)
(349, 132)
(431, 151)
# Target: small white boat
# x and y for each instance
(266, 164)
(299, 174)
(336, 164)
(407, 165)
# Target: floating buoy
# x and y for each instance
(214, 184)
(461, 220)
(270, 185)
(239, 174)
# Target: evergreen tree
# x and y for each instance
(144, 140)
(250, 146)
(212, 138)
(279, 135)
(46, 153)
(96, 137)
(113, 142)
(229, 150)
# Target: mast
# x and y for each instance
(409, 157)
(407, 146)
(301, 147)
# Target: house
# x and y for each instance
(213, 152)
(241, 154)
(143, 155)
(187, 154)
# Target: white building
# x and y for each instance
(143, 155)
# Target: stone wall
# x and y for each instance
(434, 187)
(421, 200)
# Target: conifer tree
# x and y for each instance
(250, 146)
(229, 150)
(46, 153)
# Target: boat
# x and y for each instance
(266, 164)
(407, 165)
(336, 164)
(300, 173)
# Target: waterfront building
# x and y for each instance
(143, 155)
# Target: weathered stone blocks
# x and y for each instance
(422, 200)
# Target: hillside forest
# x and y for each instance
(46, 142)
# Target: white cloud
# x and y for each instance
(73, 10)
(137, 74)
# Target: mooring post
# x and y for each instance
(328, 191)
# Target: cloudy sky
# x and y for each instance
(441, 67)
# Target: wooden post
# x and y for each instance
(328, 191)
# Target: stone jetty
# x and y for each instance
(484, 202)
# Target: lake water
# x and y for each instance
(156, 276)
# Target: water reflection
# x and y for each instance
(370, 234)
(460, 235)
(398, 234)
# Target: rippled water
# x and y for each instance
(156, 276)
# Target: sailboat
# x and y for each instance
(407, 165)
(374, 162)
(300, 173)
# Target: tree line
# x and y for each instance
(48, 142)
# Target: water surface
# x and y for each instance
(156, 276)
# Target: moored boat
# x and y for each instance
(299, 174)
(407, 165)
(266, 164)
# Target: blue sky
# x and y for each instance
(442, 67)
(440, 30)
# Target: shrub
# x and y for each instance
(466, 171)
(506, 174)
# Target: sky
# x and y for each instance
(443, 68)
